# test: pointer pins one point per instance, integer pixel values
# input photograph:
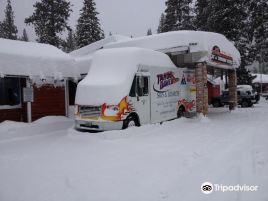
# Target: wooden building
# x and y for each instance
(34, 80)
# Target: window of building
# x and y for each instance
(10, 92)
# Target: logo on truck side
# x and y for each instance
(164, 80)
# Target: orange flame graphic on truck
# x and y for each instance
(118, 111)
(188, 105)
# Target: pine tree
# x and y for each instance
(70, 44)
(8, 28)
(160, 28)
(1, 30)
(232, 19)
(171, 16)
(260, 23)
(24, 36)
(178, 15)
(149, 32)
(49, 19)
(88, 29)
(244, 76)
(202, 13)
(184, 15)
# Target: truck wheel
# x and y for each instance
(244, 103)
(216, 103)
(130, 122)
(181, 112)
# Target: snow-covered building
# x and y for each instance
(33, 80)
(261, 81)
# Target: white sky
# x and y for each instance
(125, 17)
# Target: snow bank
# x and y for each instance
(112, 72)
(35, 59)
(195, 41)
(167, 162)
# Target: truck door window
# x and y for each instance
(142, 86)
(132, 92)
(146, 86)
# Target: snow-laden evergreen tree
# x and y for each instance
(178, 15)
(24, 36)
(70, 44)
(244, 76)
(260, 23)
(202, 13)
(161, 25)
(50, 19)
(149, 32)
(8, 29)
(232, 19)
(88, 29)
(170, 16)
(1, 29)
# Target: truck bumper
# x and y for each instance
(98, 125)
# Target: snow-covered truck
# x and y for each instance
(131, 87)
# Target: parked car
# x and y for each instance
(249, 88)
(245, 98)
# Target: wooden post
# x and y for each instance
(29, 104)
(67, 97)
(232, 89)
(201, 89)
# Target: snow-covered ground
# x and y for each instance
(49, 161)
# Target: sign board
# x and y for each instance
(28, 95)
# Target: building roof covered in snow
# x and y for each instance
(260, 78)
(83, 56)
(209, 47)
(112, 71)
(19, 58)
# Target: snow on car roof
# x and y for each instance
(112, 71)
(196, 41)
(18, 58)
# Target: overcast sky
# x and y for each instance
(125, 17)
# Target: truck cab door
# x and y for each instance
(141, 99)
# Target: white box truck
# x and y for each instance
(132, 87)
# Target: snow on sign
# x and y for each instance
(28, 94)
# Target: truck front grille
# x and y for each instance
(90, 111)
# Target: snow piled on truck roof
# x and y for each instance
(19, 58)
(112, 72)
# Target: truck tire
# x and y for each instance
(130, 122)
(181, 112)
(244, 103)
(216, 103)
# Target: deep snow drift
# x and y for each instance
(49, 161)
